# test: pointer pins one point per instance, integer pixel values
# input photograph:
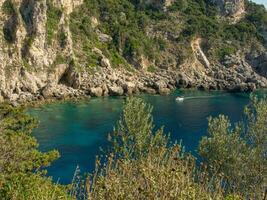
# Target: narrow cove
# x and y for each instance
(78, 130)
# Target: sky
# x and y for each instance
(264, 2)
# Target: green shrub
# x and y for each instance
(237, 154)
(62, 38)
(8, 7)
(53, 18)
(142, 164)
(21, 175)
(225, 51)
(31, 186)
(128, 22)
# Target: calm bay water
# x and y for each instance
(78, 130)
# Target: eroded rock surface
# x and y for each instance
(37, 58)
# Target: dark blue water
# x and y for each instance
(78, 130)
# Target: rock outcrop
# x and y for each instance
(159, 4)
(26, 56)
(37, 58)
(234, 9)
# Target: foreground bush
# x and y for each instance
(21, 177)
(143, 165)
(237, 153)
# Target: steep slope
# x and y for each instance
(28, 51)
(71, 48)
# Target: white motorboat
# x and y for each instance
(179, 99)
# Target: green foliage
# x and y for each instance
(8, 7)
(20, 158)
(126, 28)
(141, 30)
(151, 68)
(163, 174)
(53, 17)
(59, 60)
(62, 38)
(226, 50)
(143, 165)
(238, 154)
(121, 21)
(200, 19)
(18, 147)
(133, 136)
(179, 5)
(29, 186)
(85, 39)
(117, 59)
(257, 16)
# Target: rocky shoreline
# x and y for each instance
(35, 69)
(107, 81)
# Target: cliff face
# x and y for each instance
(47, 46)
(231, 8)
(25, 50)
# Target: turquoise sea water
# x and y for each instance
(78, 130)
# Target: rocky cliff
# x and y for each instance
(28, 50)
(68, 48)
(231, 8)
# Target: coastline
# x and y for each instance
(36, 104)
(121, 82)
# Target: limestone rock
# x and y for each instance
(104, 37)
(129, 88)
(148, 90)
(48, 91)
(231, 8)
(105, 63)
(94, 22)
(164, 91)
(1, 98)
(96, 92)
(33, 68)
(115, 90)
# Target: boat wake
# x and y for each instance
(181, 98)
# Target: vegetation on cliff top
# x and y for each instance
(139, 30)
